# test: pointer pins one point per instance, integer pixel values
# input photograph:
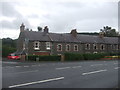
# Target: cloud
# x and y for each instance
(62, 17)
(8, 10)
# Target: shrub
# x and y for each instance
(43, 58)
(88, 56)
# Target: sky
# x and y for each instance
(61, 16)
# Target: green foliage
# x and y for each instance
(43, 58)
(109, 32)
(73, 56)
(8, 46)
(7, 50)
(89, 56)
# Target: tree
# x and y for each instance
(109, 32)
(8, 46)
(39, 28)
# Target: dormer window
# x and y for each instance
(48, 45)
(36, 45)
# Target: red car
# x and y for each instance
(13, 56)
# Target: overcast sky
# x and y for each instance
(61, 16)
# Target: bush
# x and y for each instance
(43, 58)
(73, 56)
(7, 50)
(88, 56)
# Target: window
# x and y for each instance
(75, 47)
(95, 47)
(36, 45)
(59, 47)
(48, 45)
(87, 46)
(67, 47)
(102, 47)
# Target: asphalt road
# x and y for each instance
(80, 74)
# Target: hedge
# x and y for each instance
(43, 58)
(88, 56)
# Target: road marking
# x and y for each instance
(96, 64)
(17, 66)
(25, 66)
(62, 68)
(26, 72)
(8, 67)
(116, 67)
(76, 66)
(30, 83)
(115, 63)
(34, 65)
(94, 72)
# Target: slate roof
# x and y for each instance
(67, 37)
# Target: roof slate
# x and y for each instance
(67, 37)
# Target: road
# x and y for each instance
(78, 74)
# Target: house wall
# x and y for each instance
(81, 48)
(20, 42)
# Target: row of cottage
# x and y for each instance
(46, 43)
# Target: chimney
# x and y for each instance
(46, 29)
(74, 32)
(22, 27)
(101, 34)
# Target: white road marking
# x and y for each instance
(94, 72)
(17, 66)
(116, 67)
(8, 67)
(31, 83)
(96, 64)
(115, 63)
(25, 66)
(26, 72)
(76, 66)
(62, 68)
(34, 65)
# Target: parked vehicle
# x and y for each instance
(13, 56)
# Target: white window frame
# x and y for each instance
(67, 47)
(87, 46)
(75, 47)
(38, 45)
(58, 47)
(101, 47)
(95, 45)
(48, 45)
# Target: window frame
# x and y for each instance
(95, 45)
(87, 46)
(101, 46)
(67, 47)
(48, 45)
(59, 49)
(75, 49)
(38, 45)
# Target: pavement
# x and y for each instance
(78, 74)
